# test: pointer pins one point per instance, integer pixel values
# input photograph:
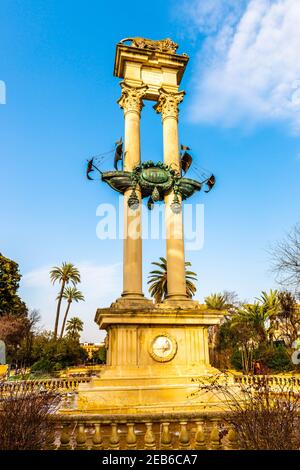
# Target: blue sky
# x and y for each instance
(241, 116)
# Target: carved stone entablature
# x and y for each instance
(167, 103)
(163, 45)
(132, 98)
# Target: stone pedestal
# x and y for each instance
(154, 358)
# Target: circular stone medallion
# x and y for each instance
(163, 348)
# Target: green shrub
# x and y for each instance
(102, 355)
(43, 365)
(52, 355)
(275, 358)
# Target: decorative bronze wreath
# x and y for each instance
(155, 180)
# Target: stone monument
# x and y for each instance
(155, 352)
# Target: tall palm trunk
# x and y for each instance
(58, 309)
(65, 319)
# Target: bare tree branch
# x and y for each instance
(285, 257)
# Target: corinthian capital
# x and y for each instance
(167, 103)
(132, 98)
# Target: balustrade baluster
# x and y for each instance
(149, 437)
(97, 437)
(65, 437)
(131, 436)
(215, 438)
(114, 441)
(200, 443)
(81, 443)
(166, 438)
(184, 437)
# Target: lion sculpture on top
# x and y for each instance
(163, 45)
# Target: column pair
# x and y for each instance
(131, 102)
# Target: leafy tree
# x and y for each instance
(64, 274)
(49, 354)
(10, 302)
(70, 294)
(102, 355)
(99, 357)
(227, 302)
(277, 358)
(236, 343)
(158, 281)
(250, 330)
(74, 328)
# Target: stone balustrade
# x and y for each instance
(58, 385)
(184, 430)
(272, 380)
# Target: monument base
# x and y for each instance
(145, 391)
(156, 356)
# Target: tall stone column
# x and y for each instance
(167, 105)
(131, 102)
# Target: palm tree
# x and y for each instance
(226, 300)
(158, 281)
(271, 301)
(70, 294)
(216, 301)
(64, 274)
(254, 316)
(260, 315)
(74, 328)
